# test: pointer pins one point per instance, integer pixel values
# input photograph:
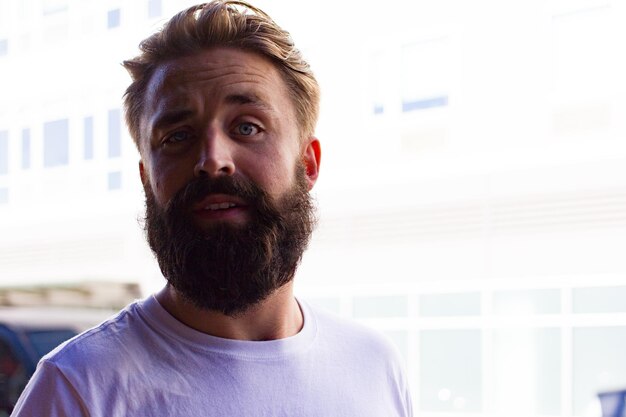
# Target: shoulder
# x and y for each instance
(49, 393)
(364, 355)
(101, 341)
(340, 334)
(66, 378)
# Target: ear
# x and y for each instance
(311, 157)
(142, 173)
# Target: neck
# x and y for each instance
(276, 317)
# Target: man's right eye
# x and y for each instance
(176, 137)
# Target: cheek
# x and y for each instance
(278, 174)
(165, 182)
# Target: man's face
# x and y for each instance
(222, 112)
(226, 178)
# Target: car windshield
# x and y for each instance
(43, 341)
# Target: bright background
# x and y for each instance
(472, 195)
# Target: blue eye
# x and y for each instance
(247, 129)
(177, 137)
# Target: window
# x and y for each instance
(382, 306)
(379, 83)
(88, 137)
(5, 12)
(424, 74)
(443, 305)
(450, 368)
(55, 143)
(598, 364)
(115, 131)
(4, 195)
(57, 32)
(113, 18)
(584, 45)
(599, 300)
(4, 152)
(584, 41)
(527, 371)
(26, 10)
(25, 148)
(425, 103)
(526, 302)
(154, 8)
(115, 180)
(54, 6)
(4, 47)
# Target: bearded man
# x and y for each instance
(222, 108)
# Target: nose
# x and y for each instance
(215, 156)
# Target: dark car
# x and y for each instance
(27, 334)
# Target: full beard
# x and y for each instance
(228, 267)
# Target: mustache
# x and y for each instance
(199, 188)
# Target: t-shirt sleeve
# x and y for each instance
(408, 402)
(405, 405)
(49, 394)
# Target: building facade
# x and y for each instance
(472, 197)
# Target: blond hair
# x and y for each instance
(223, 23)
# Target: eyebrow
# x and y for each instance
(248, 99)
(170, 117)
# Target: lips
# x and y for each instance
(219, 202)
(220, 207)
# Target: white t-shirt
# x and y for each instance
(144, 362)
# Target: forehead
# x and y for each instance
(215, 71)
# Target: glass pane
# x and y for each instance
(115, 180)
(527, 371)
(383, 306)
(88, 138)
(425, 69)
(154, 8)
(527, 302)
(57, 32)
(45, 340)
(599, 300)
(379, 83)
(4, 152)
(25, 149)
(437, 305)
(583, 48)
(450, 370)
(599, 364)
(115, 130)
(113, 18)
(54, 6)
(55, 143)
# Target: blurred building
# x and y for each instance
(96, 295)
(472, 194)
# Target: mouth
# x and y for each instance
(221, 207)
